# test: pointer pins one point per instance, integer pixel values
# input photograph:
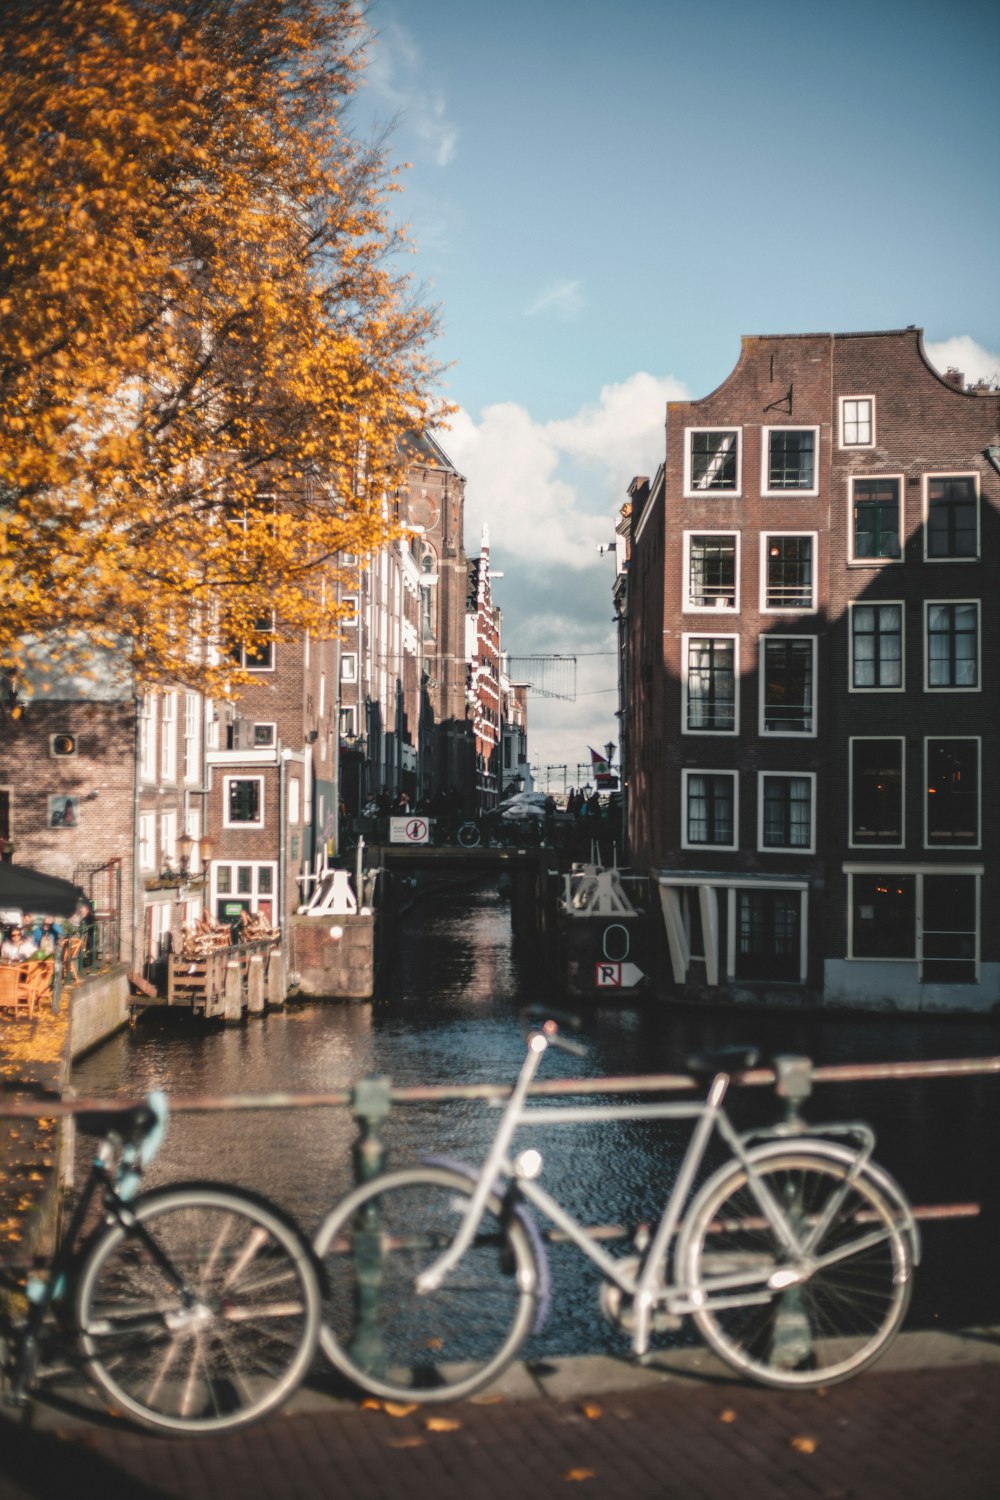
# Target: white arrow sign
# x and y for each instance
(617, 976)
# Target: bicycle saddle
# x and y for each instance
(722, 1060)
(121, 1124)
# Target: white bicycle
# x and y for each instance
(794, 1258)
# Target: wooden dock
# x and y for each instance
(224, 983)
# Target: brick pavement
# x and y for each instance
(893, 1433)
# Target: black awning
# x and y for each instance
(31, 891)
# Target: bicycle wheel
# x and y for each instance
(469, 836)
(391, 1341)
(218, 1332)
(855, 1286)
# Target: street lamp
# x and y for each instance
(587, 790)
(519, 782)
(206, 849)
(184, 846)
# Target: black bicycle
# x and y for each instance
(195, 1307)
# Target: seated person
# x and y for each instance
(46, 935)
(16, 947)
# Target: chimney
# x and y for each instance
(955, 377)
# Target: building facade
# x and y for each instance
(811, 708)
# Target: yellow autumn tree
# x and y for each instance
(208, 354)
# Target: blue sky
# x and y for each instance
(604, 198)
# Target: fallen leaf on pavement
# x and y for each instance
(728, 1415)
(804, 1444)
(413, 1441)
(400, 1408)
(442, 1424)
(592, 1411)
(574, 1474)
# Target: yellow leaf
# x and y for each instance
(370, 1404)
(577, 1474)
(728, 1415)
(414, 1440)
(435, 1344)
(399, 1408)
(486, 1400)
(442, 1424)
(803, 1444)
(592, 1411)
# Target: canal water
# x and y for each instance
(446, 1011)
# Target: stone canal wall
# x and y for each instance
(98, 1007)
(332, 955)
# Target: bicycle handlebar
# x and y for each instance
(547, 1021)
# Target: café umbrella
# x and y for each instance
(24, 889)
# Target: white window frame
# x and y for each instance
(349, 619)
(866, 844)
(788, 609)
(784, 775)
(254, 896)
(349, 666)
(853, 447)
(241, 822)
(733, 776)
(710, 635)
(714, 494)
(168, 837)
(954, 844)
(765, 462)
(192, 724)
(878, 688)
(918, 872)
(168, 738)
(787, 734)
(876, 562)
(272, 665)
(979, 647)
(972, 474)
(271, 740)
(147, 841)
(294, 800)
(147, 737)
(348, 721)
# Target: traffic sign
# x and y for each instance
(613, 976)
(409, 831)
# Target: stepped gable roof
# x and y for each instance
(422, 448)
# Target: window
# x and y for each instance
(244, 887)
(787, 677)
(952, 802)
(790, 460)
(952, 516)
(709, 809)
(710, 685)
(192, 717)
(168, 738)
(147, 841)
(857, 421)
(712, 461)
(953, 645)
(168, 838)
(768, 935)
(350, 615)
(259, 655)
(711, 570)
(918, 915)
(786, 811)
(787, 571)
(875, 526)
(349, 668)
(349, 722)
(244, 802)
(294, 800)
(147, 737)
(877, 647)
(265, 736)
(876, 792)
(883, 916)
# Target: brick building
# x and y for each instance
(811, 704)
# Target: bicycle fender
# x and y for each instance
(528, 1223)
(871, 1169)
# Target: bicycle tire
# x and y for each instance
(245, 1345)
(469, 836)
(845, 1312)
(441, 1346)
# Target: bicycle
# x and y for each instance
(794, 1258)
(195, 1306)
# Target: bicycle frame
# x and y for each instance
(731, 1289)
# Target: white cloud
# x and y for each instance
(963, 353)
(396, 75)
(549, 491)
(564, 301)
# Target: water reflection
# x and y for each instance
(446, 1012)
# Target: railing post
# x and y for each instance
(370, 1102)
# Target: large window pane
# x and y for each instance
(949, 929)
(791, 459)
(789, 573)
(788, 686)
(714, 460)
(711, 685)
(953, 645)
(951, 517)
(877, 645)
(712, 572)
(877, 792)
(876, 518)
(952, 791)
(884, 916)
(710, 809)
(787, 812)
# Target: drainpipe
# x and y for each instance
(282, 834)
(134, 962)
